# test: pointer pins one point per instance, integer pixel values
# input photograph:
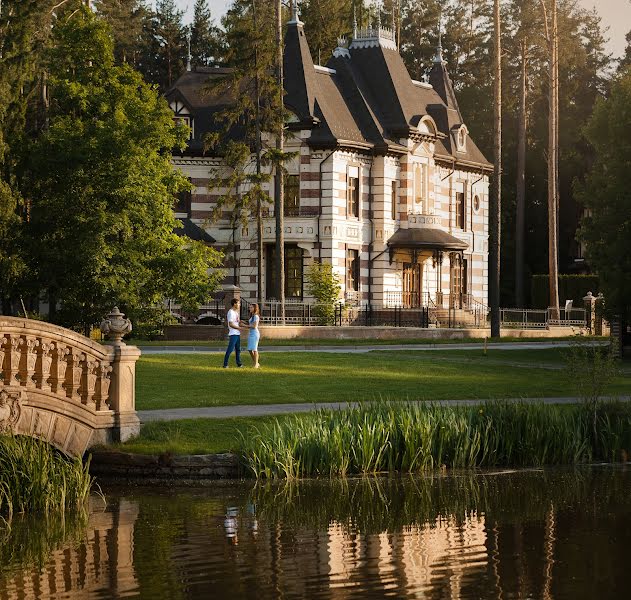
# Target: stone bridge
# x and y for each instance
(62, 387)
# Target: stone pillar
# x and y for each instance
(232, 291)
(590, 311)
(122, 392)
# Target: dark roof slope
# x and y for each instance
(300, 84)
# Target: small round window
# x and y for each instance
(476, 203)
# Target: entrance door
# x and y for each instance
(455, 281)
(411, 285)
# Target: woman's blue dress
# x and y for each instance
(254, 336)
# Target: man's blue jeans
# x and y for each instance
(234, 343)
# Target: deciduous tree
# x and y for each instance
(102, 186)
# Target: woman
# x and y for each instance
(255, 334)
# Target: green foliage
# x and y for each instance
(127, 20)
(324, 285)
(34, 478)
(102, 225)
(164, 48)
(571, 287)
(406, 437)
(207, 47)
(606, 229)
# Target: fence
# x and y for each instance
(472, 315)
(370, 316)
(523, 318)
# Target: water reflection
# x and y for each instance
(550, 535)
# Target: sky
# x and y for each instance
(616, 15)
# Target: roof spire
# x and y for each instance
(378, 15)
(439, 49)
(188, 56)
(295, 19)
(354, 21)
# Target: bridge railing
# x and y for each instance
(61, 386)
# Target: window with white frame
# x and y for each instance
(352, 192)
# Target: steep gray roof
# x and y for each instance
(364, 98)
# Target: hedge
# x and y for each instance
(571, 287)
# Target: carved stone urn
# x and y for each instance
(115, 326)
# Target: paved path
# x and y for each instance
(350, 349)
(263, 410)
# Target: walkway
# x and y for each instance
(266, 410)
(361, 349)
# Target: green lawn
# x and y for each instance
(194, 380)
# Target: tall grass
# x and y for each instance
(413, 437)
(34, 478)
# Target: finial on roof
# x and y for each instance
(439, 49)
(354, 21)
(378, 14)
(295, 19)
(188, 56)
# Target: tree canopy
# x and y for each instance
(606, 230)
(101, 227)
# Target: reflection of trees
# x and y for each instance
(375, 505)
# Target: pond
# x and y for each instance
(554, 534)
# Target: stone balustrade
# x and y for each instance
(63, 387)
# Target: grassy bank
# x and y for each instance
(34, 478)
(416, 437)
(193, 436)
(196, 380)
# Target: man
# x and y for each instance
(234, 334)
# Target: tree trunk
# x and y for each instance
(520, 218)
(553, 162)
(495, 209)
(279, 200)
(258, 150)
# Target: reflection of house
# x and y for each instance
(388, 186)
(420, 560)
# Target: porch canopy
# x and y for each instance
(425, 239)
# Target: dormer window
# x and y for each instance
(461, 138)
(182, 116)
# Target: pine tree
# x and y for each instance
(550, 18)
(165, 46)
(327, 20)
(625, 61)
(127, 19)
(206, 39)
(251, 53)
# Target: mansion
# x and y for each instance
(386, 184)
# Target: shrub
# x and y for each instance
(324, 285)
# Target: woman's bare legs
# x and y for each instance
(256, 359)
(253, 356)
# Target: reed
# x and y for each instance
(34, 478)
(414, 437)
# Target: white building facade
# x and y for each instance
(387, 185)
